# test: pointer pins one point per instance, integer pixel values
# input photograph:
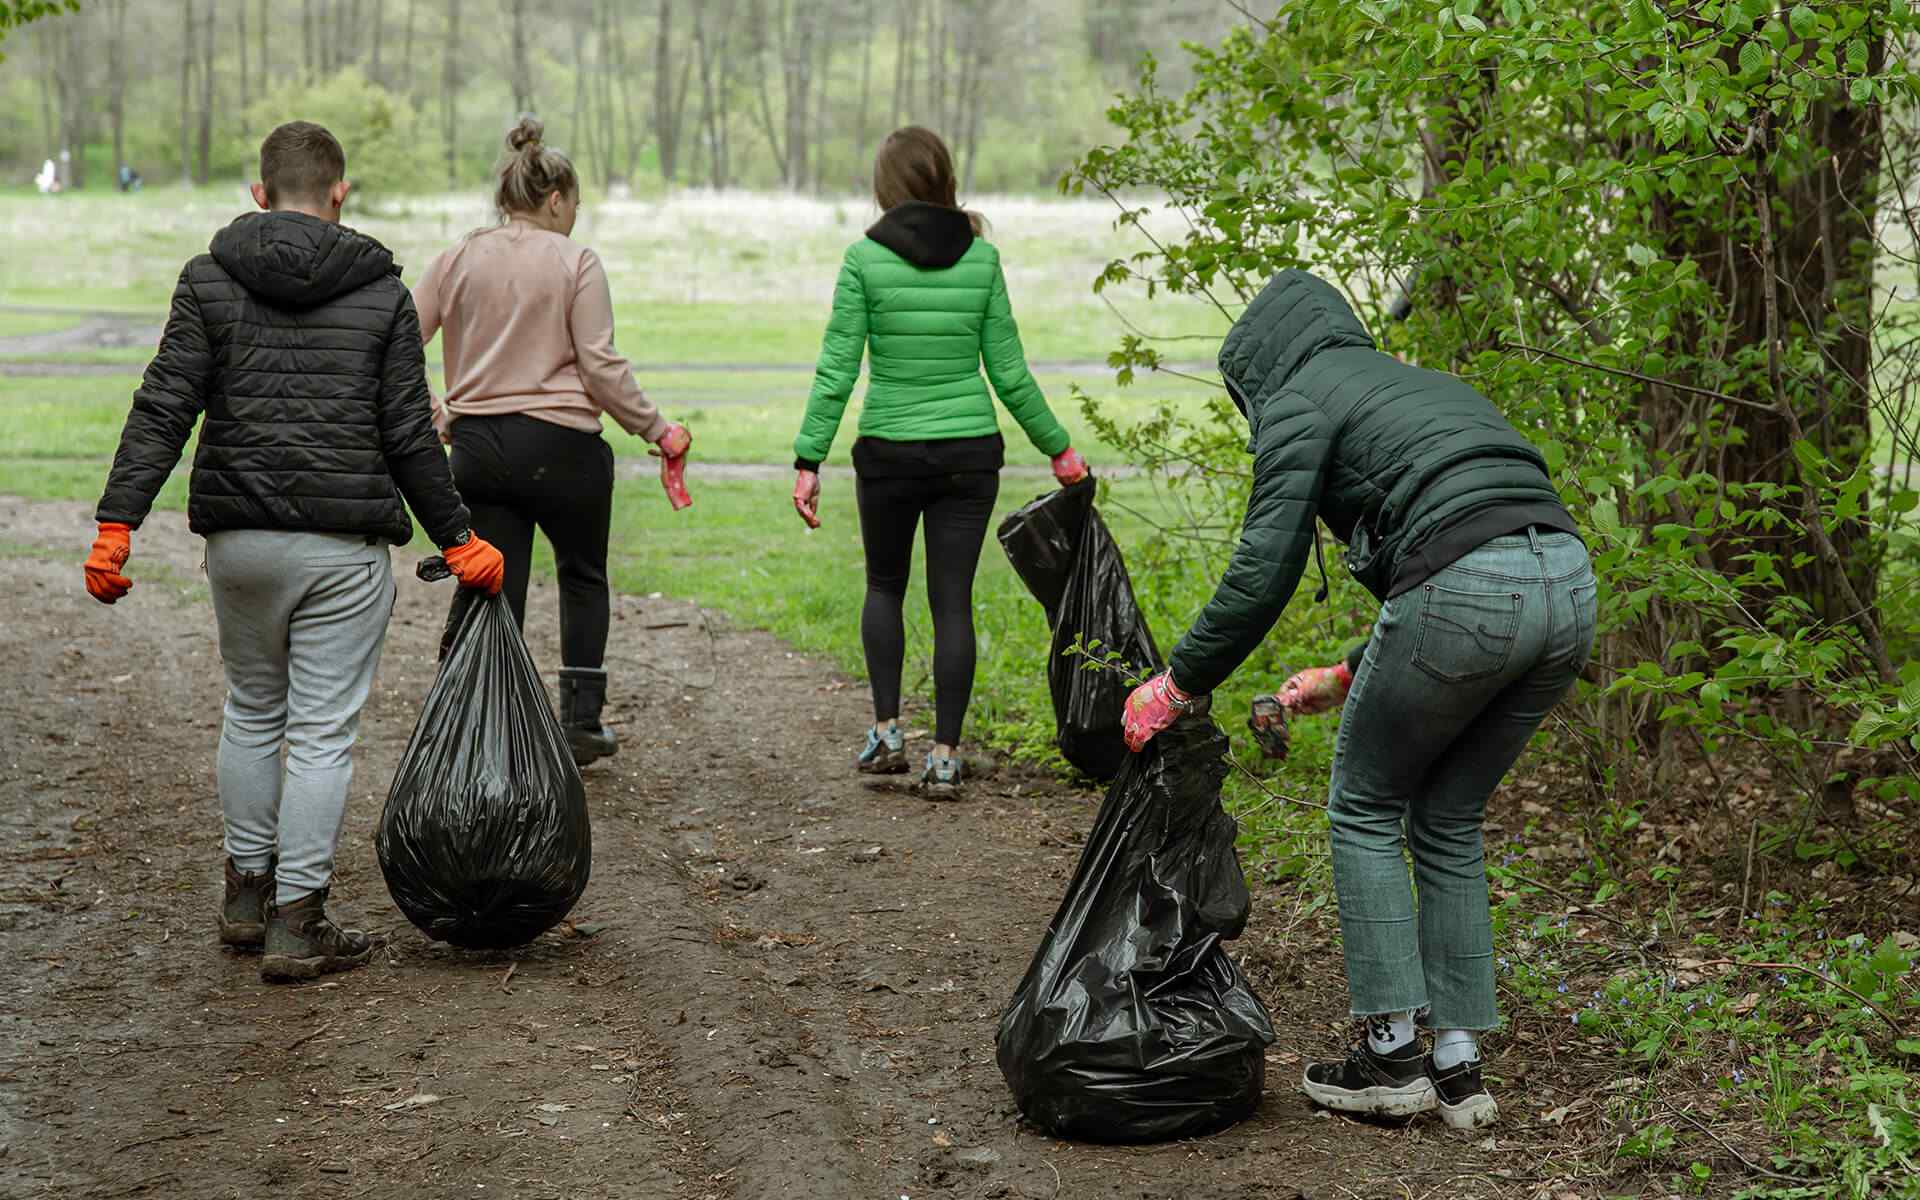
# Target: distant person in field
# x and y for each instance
(923, 297)
(1486, 618)
(527, 319)
(296, 339)
(48, 180)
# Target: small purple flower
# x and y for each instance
(1691, 1006)
(1780, 978)
(1562, 989)
(1738, 1076)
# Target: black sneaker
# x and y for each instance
(1462, 1099)
(1371, 1084)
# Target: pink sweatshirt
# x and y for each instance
(529, 329)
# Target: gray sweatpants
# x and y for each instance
(302, 619)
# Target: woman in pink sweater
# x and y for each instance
(530, 368)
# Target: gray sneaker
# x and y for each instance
(884, 753)
(942, 779)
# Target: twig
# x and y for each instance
(508, 977)
(299, 1042)
(869, 911)
(1655, 380)
(1056, 1175)
(1746, 885)
(1749, 1164)
(1899, 1030)
(1582, 905)
(170, 1137)
(1271, 794)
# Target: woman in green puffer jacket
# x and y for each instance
(922, 295)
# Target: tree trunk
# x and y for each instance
(406, 50)
(449, 92)
(666, 125)
(757, 21)
(861, 137)
(378, 16)
(306, 38)
(266, 65)
(49, 67)
(902, 63)
(522, 62)
(208, 34)
(117, 84)
(240, 36)
(76, 47)
(624, 76)
(186, 91)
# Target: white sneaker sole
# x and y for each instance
(1406, 1100)
(1475, 1112)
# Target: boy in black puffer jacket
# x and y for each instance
(299, 343)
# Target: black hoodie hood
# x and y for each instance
(1296, 317)
(926, 235)
(292, 260)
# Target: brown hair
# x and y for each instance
(914, 164)
(531, 172)
(300, 161)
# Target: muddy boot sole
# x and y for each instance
(589, 748)
(284, 968)
(243, 935)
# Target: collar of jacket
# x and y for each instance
(926, 235)
(293, 260)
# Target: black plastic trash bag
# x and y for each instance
(1062, 551)
(1132, 1024)
(485, 841)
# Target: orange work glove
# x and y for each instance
(671, 450)
(110, 551)
(476, 564)
(806, 497)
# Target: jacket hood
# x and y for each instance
(1296, 316)
(926, 235)
(292, 260)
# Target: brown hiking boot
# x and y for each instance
(303, 943)
(243, 919)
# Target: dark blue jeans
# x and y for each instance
(1459, 674)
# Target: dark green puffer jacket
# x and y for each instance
(926, 300)
(1409, 468)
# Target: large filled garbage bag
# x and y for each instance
(1132, 1024)
(1062, 551)
(485, 841)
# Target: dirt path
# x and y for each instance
(752, 1002)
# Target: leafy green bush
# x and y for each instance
(376, 127)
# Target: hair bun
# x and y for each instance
(526, 132)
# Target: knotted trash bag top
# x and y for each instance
(1062, 551)
(1132, 1024)
(484, 840)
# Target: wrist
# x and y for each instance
(115, 527)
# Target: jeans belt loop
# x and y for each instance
(1533, 538)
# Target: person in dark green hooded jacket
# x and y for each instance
(1486, 618)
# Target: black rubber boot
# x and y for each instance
(243, 918)
(583, 692)
(304, 943)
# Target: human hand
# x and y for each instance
(476, 564)
(806, 497)
(1316, 690)
(1153, 706)
(1068, 467)
(107, 560)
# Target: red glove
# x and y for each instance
(806, 497)
(671, 450)
(1154, 705)
(1068, 467)
(1316, 690)
(476, 564)
(110, 551)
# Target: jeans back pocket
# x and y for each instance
(1466, 636)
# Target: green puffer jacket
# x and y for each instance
(926, 299)
(1409, 468)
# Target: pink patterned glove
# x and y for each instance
(1154, 705)
(806, 497)
(1068, 467)
(1316, 690)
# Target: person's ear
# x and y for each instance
(260, 195)
(337, 194)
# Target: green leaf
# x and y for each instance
(1856, 57)
(1753, 60)
(1514, 10)
(1470, 23)
(1804, 20)
(1642, 256)
(1860, 91)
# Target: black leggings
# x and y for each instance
(957, 508)
(516, 472)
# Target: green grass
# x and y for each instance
(15, 324)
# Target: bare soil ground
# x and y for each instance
(779, 984)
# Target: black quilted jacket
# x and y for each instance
(299, 343)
